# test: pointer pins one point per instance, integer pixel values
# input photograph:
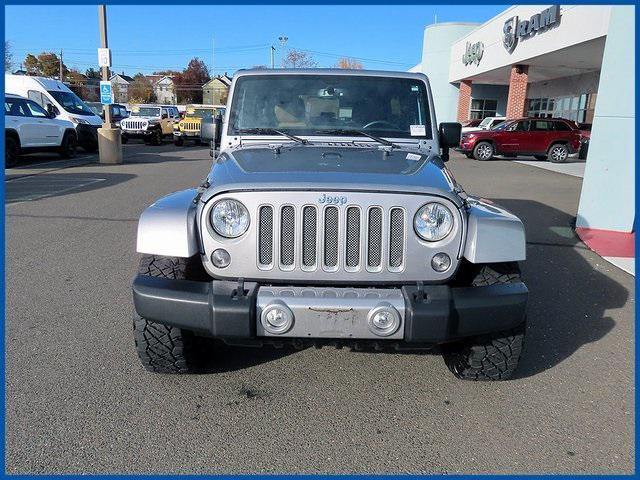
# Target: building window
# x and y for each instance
(579, 108)
(483, 108)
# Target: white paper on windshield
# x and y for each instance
(345, 112)
(413, 156)
(418, 130)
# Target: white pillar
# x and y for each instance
(607, 200)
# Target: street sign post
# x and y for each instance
(106, 93)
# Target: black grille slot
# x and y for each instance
(309, 231)
(287, 235)
(396, 238)
(331, 237)
(374, 247)
(265, 236)
(353, 237)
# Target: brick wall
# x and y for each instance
(464, 100)
(518, 81)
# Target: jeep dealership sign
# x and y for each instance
(513, 29)
(473, 53)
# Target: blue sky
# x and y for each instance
(148, 38)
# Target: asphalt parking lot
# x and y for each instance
(78, 400)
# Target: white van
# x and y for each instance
(55, 97)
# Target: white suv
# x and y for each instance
(30, 128)
(486, 124)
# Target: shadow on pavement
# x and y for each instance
(165, 153)
(568, 298)
(35, 187)
(219, 357)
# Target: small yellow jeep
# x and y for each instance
(189, 127)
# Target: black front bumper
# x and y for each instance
(433, 313)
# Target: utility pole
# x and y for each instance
(102, 19)
(109, 138)
(61, 77)
(213, 58)
(273, 51)
(283, 42)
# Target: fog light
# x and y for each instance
(276, 318)
(441, 262)
(384, 320)
(220, 258)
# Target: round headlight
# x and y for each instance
(433, 222)
(229, 218)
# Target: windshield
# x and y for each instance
(96, 107)
(311, 104)
(146, 112)
(502, 126)
(71, 102)
(200, 113)
(486, 122)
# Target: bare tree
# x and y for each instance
(8, 57)
(141, 90)
(299, 59)
(349, 63)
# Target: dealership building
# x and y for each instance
(570, 61)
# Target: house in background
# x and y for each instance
(120, 83)
(216, 90)
(163, 88)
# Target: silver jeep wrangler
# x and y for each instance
(329, 217)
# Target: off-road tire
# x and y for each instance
(124, 138)
(156, 138)
(558, 153)
(178, 142)
(493, 356)
(69, 145)
(162, 348)
(483, 151)
(11, 152)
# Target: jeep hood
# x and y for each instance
(358, 167)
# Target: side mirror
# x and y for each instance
(217, 132)
(216, 135)
(53, 111)
(449, 133)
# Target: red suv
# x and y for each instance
(544, 138)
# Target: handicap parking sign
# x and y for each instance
(106, 93)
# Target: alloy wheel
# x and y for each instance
(484, 151)
(558, 153)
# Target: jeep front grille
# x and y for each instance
(133, 124)
(190, 126)
(301, 235)
(349, 238)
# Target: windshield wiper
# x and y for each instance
(340, 131)
(271, 131)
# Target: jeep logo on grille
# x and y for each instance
(332, 199)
